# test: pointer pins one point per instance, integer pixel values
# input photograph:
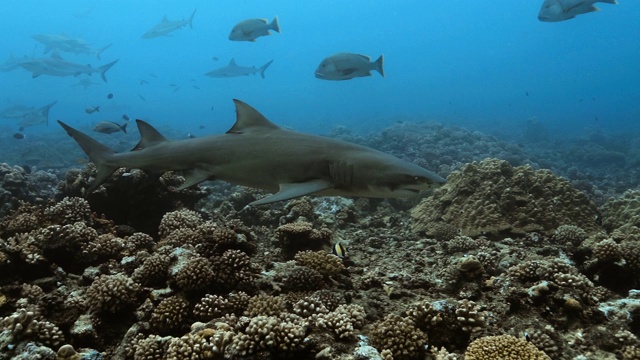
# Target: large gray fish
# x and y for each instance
(166, 26)
(345, 66)
(36, 117)
(560, 10)
(233, 70)
(110, 127)
(68, 44)
(251, 29)
(57, 66)
(257, 153)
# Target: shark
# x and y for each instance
(257, 153)
(67, 44)
(234, 70)
(28, 115)
(166, 26)
(55, 65)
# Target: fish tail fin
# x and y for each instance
(275, 25)
(103, 69)
(45, 110)
(123, 127)
(263, 68)
(99, 51)
(191, 18)
(379, 65)
(98, 153)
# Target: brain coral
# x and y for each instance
(504, 347)
(492, 197)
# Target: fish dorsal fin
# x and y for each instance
(149, 136)
(249, 119)
(56, 55)
(233, 63)
(164, 19)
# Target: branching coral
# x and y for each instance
(400, 336)
(111, 293)
(324, 263)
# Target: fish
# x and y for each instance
(68, 44)
(560, 10)
(166, 26)
(57, 66)
(92, 109)
(339, 250)
(345, 66)
(36, 117)
(142, 97)
(251, 29)
(109, 127)
(233, 70)
(257, 153)
(85, 83)
(18, 136)
(143, 82)
(125, 117)
(109, 96)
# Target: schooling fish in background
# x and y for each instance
(110, 127)
(560, 10)
(345, 66)
(233, 70)
(251, 29)
(165, 26)
(92, 109)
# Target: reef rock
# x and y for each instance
(493, 198)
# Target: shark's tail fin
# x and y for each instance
(99, 51)
(275, 25)
(123, 127)
(263, 68)
(97, 152)
(45, 110)
(103, 69)
(379, 65)
(191, 18)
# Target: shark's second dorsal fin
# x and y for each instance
(249, 119)
(149, 136)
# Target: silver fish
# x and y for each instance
(560, 10)
(110, 127)
(345, 66)
(251, 29)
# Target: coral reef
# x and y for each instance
(501, 262)
(499, 199)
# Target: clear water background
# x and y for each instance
(489, 66)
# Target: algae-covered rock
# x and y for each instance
(492, 197)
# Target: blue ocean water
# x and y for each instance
(486, 66)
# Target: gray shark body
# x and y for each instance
(234, 70)
(259, 154)
(57, 66)
(166, 26)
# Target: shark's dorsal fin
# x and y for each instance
(249, 119)
(233, 62)
(56, 54)
(149, 136)
(164, 19)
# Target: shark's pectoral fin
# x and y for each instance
(294, 190)
(193, 177)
